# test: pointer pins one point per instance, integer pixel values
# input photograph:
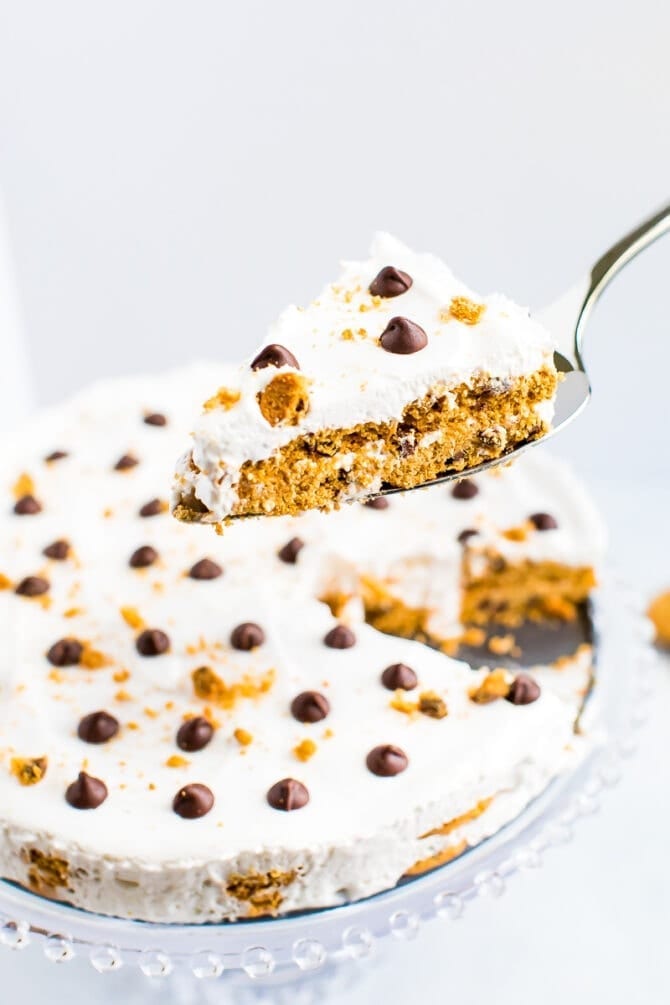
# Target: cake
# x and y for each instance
(394, 375)
(440, 564)
(180, 709)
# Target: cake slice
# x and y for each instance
(396, 374)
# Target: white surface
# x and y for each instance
(177, 174)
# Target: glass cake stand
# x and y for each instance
(303, 957)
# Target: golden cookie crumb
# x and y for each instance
(210, 687)
(465, 310)
(659, 615)
(93, 659)
(432, 705)
(5, 582)
(23, 486)
(224, 398)
(177, 761)
(517, 533)
(305, 749)
(495, 685)
(285, 399)
(120, 676)
(132, 618)
(243, 737)
(28, 770)
(503, 645)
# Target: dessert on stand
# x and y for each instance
(252, 758)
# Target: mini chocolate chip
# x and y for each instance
(523, 690)
(386, 760)
(340, 637)
(153, 508)
(194, 734)
(289, 553)
(58, 550)
(193, 801)
(87, 793)
(152, 642)
(403, 337)
(32, 586)
(274, 355)
(390, 282)
(288, 794)
(465, 535)
(126, 462)
(27, 506)
(310, 706)
(143, 557)
(247, 636)
(97, 727)
(155, 419)
(57, 455)
(65, 653)
(205, 569)
(465, 489)
(379, 502)
(399, 675)
(544, 521)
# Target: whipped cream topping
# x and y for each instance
(133, 855)
(352, 379)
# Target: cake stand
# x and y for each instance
(303, 957)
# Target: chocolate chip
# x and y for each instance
(193, 801)
(65, 653)
(57, 455)
(399, 675)
(247, 636)
(194, 734)
(274, 355)
(465, 489)
(153, 508)
(310, 706)
(205, 569)
(340, 637)
(379, 502)
(152, 642)
(403, 336)
(466, 534)
(32, 586)
(544, 521)
(289, 553)
(27, 506)
(143, 557)
(523, 690)
(87, 793)
(97, 727)
(288, 794)
(386, 760)
(58, 550)
(126, 462)
(155, 419)
(390, 282)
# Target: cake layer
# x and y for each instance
(157, 685)
(381, 380)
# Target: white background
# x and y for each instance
(174, 173)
